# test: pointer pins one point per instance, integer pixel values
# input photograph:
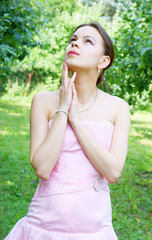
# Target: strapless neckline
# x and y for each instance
(92, 121)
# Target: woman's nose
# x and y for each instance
(74, 44)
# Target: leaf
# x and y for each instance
(17, 36)
(145, 50)
(7, 20)
(7, 60)
(6, 15)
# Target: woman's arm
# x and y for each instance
(45, 144)
(108, 163)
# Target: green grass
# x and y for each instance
(131, 194)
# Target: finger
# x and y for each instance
(71, 80)
(69, 72)
(74, 93)
(74, 90)
(65, 75)
(73, 77)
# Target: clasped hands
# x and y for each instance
(68, 99)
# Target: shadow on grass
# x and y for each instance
(143, 128)
(13, 111)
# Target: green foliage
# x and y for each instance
(18, 23)
(131, 73)
(34, 36)
(45, 60)
(14, 89)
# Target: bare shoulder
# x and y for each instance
(114, 101)
(45, 102)
(115, 107)
(118, 101)
(45, 96)
(121, 108)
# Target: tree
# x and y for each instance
(18, 23)
(131, 74)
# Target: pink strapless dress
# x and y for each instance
(74, 204)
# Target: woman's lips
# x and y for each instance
(73, 53)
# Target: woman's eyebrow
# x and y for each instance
(74, 36)
(90, 37)
(87, 36)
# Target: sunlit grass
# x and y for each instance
(142, 128)
(132, 211)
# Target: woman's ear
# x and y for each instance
(104, 62)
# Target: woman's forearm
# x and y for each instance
(45, 157)
(104, 161)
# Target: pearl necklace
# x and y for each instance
(91, 104)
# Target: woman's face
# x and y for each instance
(85, 49)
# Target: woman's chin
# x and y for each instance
(75, 66)
(72, 66)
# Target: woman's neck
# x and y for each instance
(85, 85)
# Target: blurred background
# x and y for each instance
(33, 38)
(34, 35)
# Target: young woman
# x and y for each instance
(79, 138)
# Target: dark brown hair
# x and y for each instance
(108, 46)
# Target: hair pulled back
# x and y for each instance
(108, 46)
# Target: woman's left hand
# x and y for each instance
(73, 112)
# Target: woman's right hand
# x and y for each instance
(65, 91)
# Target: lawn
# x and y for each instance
(131, 194)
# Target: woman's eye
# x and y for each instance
(88, 40)
(72, 39)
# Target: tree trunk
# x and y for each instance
(29, 77)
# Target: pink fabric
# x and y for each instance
(67, 206)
